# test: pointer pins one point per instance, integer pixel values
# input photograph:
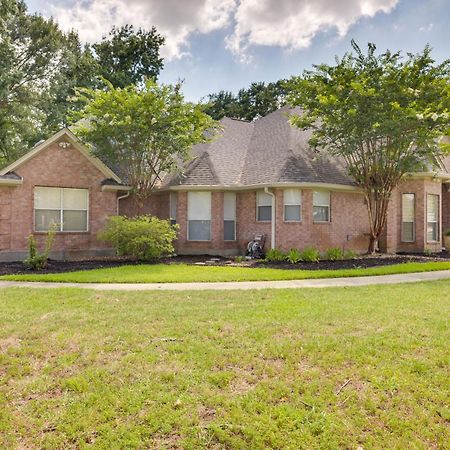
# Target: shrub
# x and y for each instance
(310, 254)
(275, 255)
(428, 252)
(145, 238)
(334, 254)
(447, 233)
(36, 260)
(350, 254)
(294, 256)
(239, 258)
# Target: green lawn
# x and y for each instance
(179, 273)
(226, 370)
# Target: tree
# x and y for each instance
(30, 52)
(129, 57)
(381, 113)
(256, 101)
(144, 131)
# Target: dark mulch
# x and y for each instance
(12, 268)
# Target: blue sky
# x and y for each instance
(227, 44)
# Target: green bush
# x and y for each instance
(310, 254)
(447, 233)
(275, 255)
(350, 254)
(145, 238)
(36, 260)
(239, 259)
(334, 254)
(294, 256)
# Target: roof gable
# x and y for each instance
(201, 172)
(77, 145)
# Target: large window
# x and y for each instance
(263, 206)
(292, 205)
(408, 213)
(321, 206)
(432, 218)
(229, 216)
(65, 208)
(173, 207)
(199, 216)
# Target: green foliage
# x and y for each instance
(334, 254)
(381, 113)
(129, 57)
(310, 254)
(258, 100)
(145, 238)
(275, 255)
(350, 254)
(294, 256)
(36, 260)
(447, 233)
(145, 130)
(428, 252)
(239, 259)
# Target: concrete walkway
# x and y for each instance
(241, 285)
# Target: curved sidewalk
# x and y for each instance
(241, 285)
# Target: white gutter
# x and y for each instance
(120, 198)
(10, 182)
(273, 224)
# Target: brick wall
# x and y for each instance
(54, 167)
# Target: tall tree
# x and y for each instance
(381, 113)
(144, 131)
(30, 54)
(258, 100)
(129, 57)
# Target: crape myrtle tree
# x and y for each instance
(146, 131)
(382, 113)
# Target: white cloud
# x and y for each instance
(428, 28)
(290, 24)
(174, 19)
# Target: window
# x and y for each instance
(229, 216)
(173, 207)
(199, 216)
(263, 207)
(432, 217)
(64, 207)
(321, 206)
(408, 213)
(292, 205)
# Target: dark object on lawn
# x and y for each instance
(255, 248)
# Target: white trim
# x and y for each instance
(114, 188)
(76, 143)
(434, 175)
(252, 187)
(10, 182)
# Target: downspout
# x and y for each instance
(273, 223)
(120, 198)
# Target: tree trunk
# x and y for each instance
(373, 244)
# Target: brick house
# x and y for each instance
(259, 177)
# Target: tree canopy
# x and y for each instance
(258, 100)
(382, 113)
(144, 131)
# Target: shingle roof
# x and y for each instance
(268, 150)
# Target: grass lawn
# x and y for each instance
(184, 273)
(226, 370)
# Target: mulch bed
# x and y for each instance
(13, 268)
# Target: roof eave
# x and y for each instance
(10, 182)
(115, 187)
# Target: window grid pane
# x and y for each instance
(321, 214)
(199, 206)
(74, 220)
(264, 213)
(292, 213)
(199, 230)
(432, 217)
(229, 230)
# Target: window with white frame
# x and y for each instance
(173, 207)
(432, 217)
(199, 216)
(263, 207)
(408, 221)
(292, 205)
(229, 216)
(321, 206)
(65, 208)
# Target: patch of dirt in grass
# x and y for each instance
(9, 342)
(206, 413)
(169, 441)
